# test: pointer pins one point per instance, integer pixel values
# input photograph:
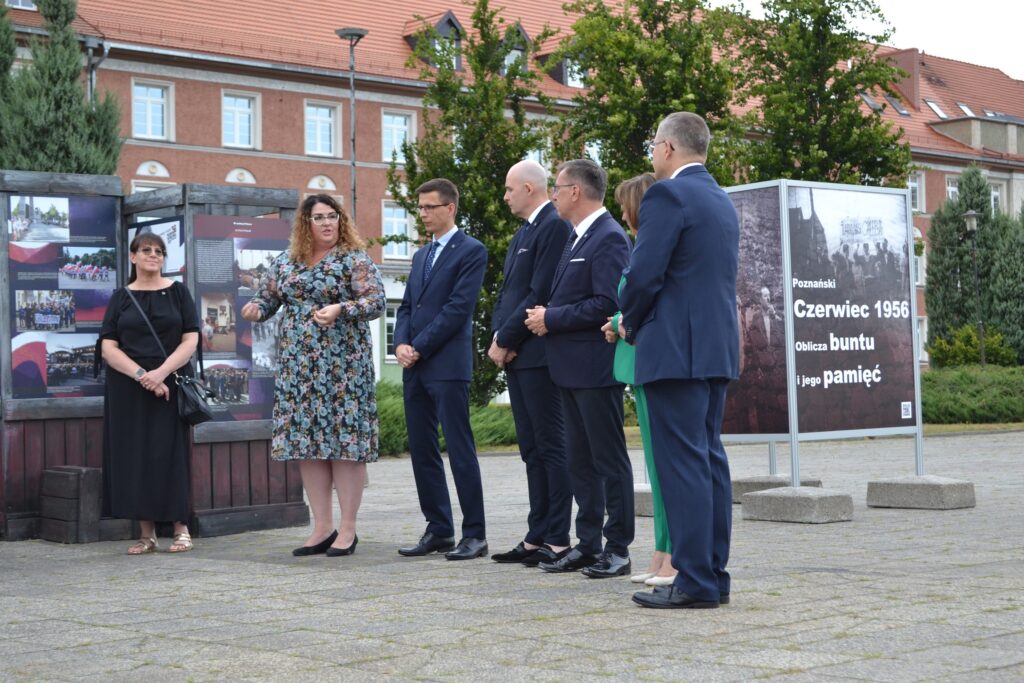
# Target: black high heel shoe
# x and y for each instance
(338, 552)
(317, 549)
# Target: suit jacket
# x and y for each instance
(679, 300)
(582, 298)
(436, 316)
(529, 268)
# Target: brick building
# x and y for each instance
(258, 93)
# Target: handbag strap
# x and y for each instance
(157, 337)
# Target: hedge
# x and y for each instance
(972, 394)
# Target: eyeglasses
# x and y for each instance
(429, 207)
(152, 250)
(321, 218)
(555, 188)
(651, 144)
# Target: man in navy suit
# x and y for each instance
(583, 296)
(679, 308)
(433, 343)
(530, 265)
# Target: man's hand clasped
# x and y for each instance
(406, 355)
(535, 320)
(500, 356)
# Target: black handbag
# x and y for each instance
(193, 395)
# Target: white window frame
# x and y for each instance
(922, 336)
(966, 109)
(998, 191)
(410, 133)
(168, 106)
(934, 106)
(915, 183)
(538, 155)
(953, 187)
(22, 4)
(149, 185)
(390, 318)
(335, 133)
(573, 75)
(396, 250)
(254, 125)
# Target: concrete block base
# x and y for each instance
(741, 487)
(643, 503)
(803, 504)
(926, 493)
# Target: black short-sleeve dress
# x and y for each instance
(145, 443)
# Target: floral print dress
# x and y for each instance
(325, 401)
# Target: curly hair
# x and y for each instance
(300, 246)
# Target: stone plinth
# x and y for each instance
(804, 504)
(741, 487)
(927, 493)
(643, 504)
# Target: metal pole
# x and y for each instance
(977, 298)
(352, 115)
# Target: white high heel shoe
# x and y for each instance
(640, 578)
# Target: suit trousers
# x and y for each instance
(600, 472)
(540, 430)
(686, 435)
(427, 404)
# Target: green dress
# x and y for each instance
(624, 370)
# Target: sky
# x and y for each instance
(983, 32)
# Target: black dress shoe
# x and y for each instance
(607, 566)
(339, 552)
(468, 549)
(669, 597)
(429, 543)
(317, 549)
(544, 554)
(572, 561)
(517, 554)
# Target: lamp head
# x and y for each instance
(971, 221)
(352, 34)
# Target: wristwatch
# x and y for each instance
(139, 373)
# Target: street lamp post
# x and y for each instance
(353, 36)
(971, 223)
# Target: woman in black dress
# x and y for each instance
(145, 443)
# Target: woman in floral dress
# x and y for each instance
(325, 407)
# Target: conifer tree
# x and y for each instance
(48, 124)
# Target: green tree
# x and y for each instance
(475, 127)
(950, 292)
(639, 61)
(7, 54)
(48, 124)
(1006, 284)
(808, 66)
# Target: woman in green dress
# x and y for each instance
(660, 572)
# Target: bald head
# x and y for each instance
(526, 187)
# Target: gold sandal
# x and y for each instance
(182, 543)
(143, 546)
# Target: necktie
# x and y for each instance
(429, 265)
(565, 254)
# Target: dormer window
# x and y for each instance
(518, 42)
(937, 109)
(573, 74)
(447, 28)
(897, 105)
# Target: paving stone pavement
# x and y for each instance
(894, 595)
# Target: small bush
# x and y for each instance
(964, 349)
(492, 425)
(972, 394)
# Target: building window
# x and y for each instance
(919, 262)
(997, 197)
(512, 56)
(937, 109)
(149, 185)
(915, 183)
(240, 120)
(390, 316)
(397, 222)
(897, 105)
(965, 109)
(22, 4)
(396, 129)
(151, 110)
(537, 155)
(321, 129)
(573, 75)
(953, 188)
(922, 337)
(871, 101)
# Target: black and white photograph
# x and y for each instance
(264, 346)
(44, 310)
(252, 266)
(39, 219)
(228, 380)
(87, 268)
